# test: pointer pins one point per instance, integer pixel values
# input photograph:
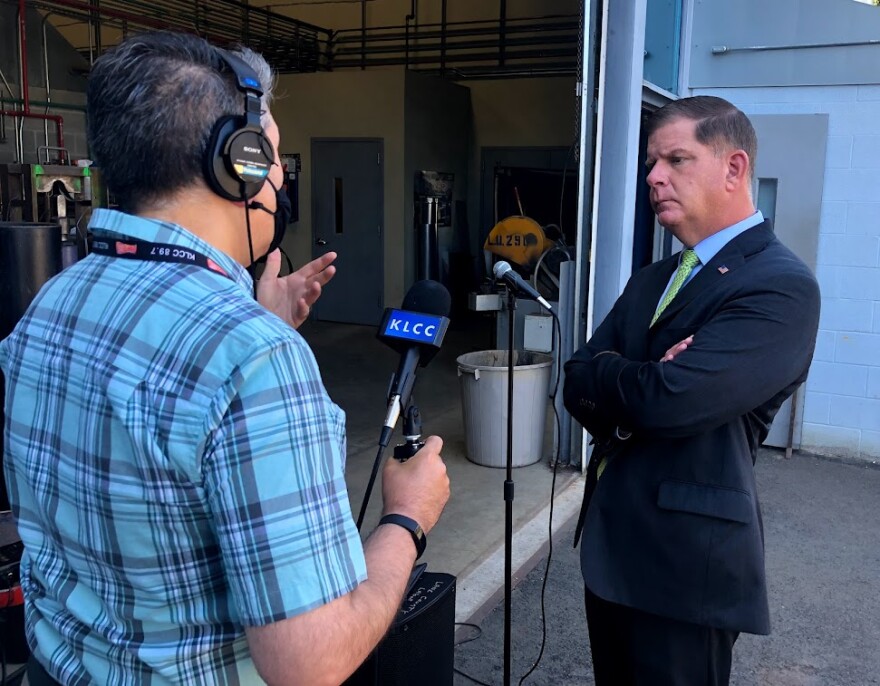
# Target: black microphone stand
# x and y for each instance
(508, 488)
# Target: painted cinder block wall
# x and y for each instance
(842, 402)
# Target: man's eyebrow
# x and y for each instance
(675, 152)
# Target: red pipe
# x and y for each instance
(59, 120)
(25, 93)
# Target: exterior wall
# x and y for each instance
(842, 403)
(814, 42)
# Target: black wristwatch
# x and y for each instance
(411, 525)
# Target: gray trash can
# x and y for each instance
(484, 405)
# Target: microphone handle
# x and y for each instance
(412, 432)
(404, 451)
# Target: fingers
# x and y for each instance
(273, 265)
(313, 277)
(433, 444)
(303, 310)
(419, 487)
(310, 297)
(315, 268)
(677, 349)
(323, 277)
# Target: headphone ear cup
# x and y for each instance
(235, 146)
(216, 169)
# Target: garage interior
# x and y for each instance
(410, 129)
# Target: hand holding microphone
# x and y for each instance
(416, 331)
(419, 487)
(415, 486)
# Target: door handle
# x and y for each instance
(320, 241)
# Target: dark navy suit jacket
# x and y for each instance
(673, 526)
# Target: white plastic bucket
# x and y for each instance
(483, 377)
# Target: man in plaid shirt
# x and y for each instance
(174, 462)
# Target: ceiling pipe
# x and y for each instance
(25, 112)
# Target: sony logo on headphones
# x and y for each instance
(247, 149)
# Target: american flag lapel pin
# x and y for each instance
(723, 270)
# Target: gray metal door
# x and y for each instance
(347, 218)
(789, 178)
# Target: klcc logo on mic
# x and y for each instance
(418, 327)
(412, 326)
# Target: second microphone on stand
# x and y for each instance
(504, 272)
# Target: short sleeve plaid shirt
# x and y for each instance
(175, 467)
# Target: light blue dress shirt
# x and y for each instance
(710, 246)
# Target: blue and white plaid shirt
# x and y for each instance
(175, 467)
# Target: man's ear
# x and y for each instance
(738, 165)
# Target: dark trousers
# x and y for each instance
(635, 648)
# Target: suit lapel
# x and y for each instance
(646, 306)
(730, 258)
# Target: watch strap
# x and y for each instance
(411, 525)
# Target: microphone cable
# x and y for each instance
(558, 330)
(479, 634)
(247, 219)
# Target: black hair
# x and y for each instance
(152, 103)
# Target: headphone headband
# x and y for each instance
(247, 81)
(246, 78)
(239, 155)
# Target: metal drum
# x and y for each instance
(30, 255)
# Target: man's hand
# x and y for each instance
(291, 297)
(676, 349)
(419, 487)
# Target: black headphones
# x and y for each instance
(239, 155)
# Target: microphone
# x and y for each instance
(504, 272)
(416, 331)
(257, 205)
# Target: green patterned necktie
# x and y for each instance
(689, 260)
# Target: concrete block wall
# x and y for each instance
(842, 403)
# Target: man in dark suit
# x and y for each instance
(678, 387)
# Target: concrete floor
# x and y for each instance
(822, 530)
(356, 369)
